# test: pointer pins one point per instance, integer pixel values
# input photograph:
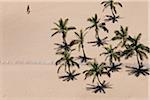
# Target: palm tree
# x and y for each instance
(111, 54)
(95, 22)
(67, 61)
(80, 39)
(100, 87)
(112, 4)
(99, 41)
(138, 71)
(96, 25)
(96, 70)
(70, 76)
(121, 35)
(62, 28)
(136, 48)
(112, 18)
(80, 42)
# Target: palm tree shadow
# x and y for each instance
(138, 71)
(100, 87)
(115, 67)
(111, 18)
(65, 46)
(70, 76)
(84, 58)
(99, 42)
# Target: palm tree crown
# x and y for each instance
(96, 24)
(136, 48)
(111, 53)
(96, 70)
(62, 27)
(66, 60)
(121, 35)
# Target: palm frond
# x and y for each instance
(59, 61)
(60, 66)
(66, 21)
(138, 37)
(142, 54)
(144, 48)
(71, 28)
(118, 3)
(73, 42)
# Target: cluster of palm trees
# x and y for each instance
(127, 47)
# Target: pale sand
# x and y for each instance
(27, 38)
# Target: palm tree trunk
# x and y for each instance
(64, 37)
(110, 60)
(137, 59)
(65, 68)
(83, 50)
(69, 70)
(64, 40)
(98, 79)
(112, 12)
(96, 31)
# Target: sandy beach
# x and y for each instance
(26, 38)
